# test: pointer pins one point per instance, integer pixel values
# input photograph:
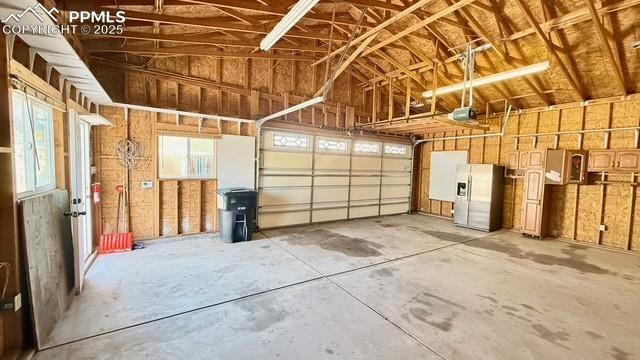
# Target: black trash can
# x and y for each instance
(236, 213)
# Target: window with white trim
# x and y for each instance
(333, 145)
(366, 147)
(391, 149)
(183, 157)
(33, 142)
(291, 141)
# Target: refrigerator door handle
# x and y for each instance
(469, 181)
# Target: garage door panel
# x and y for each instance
(286, 160)
(330, 194)
(271, 220)
(331, 180)
(394, 209)
(331, 205)
(331, 162)
(284, 196)
(329, 215)
(365, 180)
(393, 164)
(396, 180)
(389, 191)
(285, 181)
(365, 192)
(365, 211)
(307, 179)
(366, 163)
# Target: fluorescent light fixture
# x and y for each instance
(300, 9)
(289, 110)
(511, 74)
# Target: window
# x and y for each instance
(395, 149)
(182, 157)
(336, 145)
(34, 145)
(291, 141)
(367, 147)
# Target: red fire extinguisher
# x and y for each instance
(96, 189)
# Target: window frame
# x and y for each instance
(214, 174)
(333, 151)
(308, 147)
(30, 163)
(378, 153)
(403, 146)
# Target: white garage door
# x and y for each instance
(306, 178)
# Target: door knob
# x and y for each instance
(81, 213)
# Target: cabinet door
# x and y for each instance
(601, 160)
(523, 160)
(536, 158)
(512, 160)
(532, 202)
(628, 160)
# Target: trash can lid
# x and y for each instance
(236, 191)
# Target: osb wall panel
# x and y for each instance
(576, 211)
(209, 221)
(142, 214)
(189, 198)
(168, 208)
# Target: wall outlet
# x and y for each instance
(11, 304)
(147, 184)
(603, 227)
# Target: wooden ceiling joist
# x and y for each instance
(551, 48)
(217, 25)
(195, 40)
(418, 25)
(197, 51)
(378, 28)
(604, 42)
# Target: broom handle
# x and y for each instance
(118, 213)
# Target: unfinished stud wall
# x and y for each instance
(235, 88)
(576, 210)
(247, 88)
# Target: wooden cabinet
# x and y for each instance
(601, 160)
(519, 161)
(565, 167)
(628, 160)
(534, 200)
(536, 158)
(614, 160)
(512, 160)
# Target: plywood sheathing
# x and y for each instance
(576, 210)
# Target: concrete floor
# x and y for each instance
(400, 287)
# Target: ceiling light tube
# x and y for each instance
(511, 74)
(300, 9)
(291, 109)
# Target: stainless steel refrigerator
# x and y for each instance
(479, 196)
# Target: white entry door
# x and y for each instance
(80, 175)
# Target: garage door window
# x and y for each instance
(291, 141)
(400, 150)
(369, 148)
(184, 157)
(34, 145)
(332, 145)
